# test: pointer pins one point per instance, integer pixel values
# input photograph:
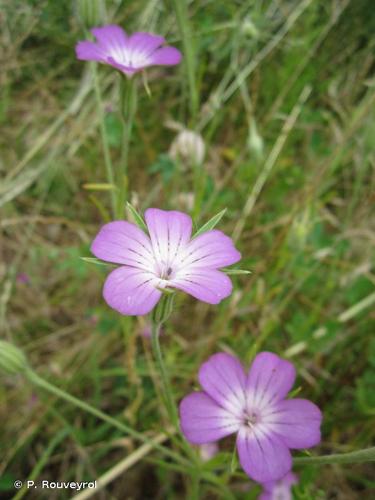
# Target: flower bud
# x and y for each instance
(301, 228)
(12, 359)
(249, 29)
(91, 13)
(164, 308)
(188, 147)
(255, 141)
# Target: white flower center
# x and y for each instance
(130, 58)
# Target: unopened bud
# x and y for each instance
(301, 228)
(12, 359)
(91, 13)
(188, 147)
(249, 28)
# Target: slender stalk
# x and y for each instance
(44, 384)
(180, 8)
(169, 400)
(199, 186)
(106, 152)
(195, 483)
(128, 106)
(366, 455)
(167, 391)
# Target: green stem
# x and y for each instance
(194, 493)
(180, 7)
(160, 315)
(167, 391)
(199, 186)
(44, 384)
(106, 152)
(128, 106)
(366, 455)
(168, 394)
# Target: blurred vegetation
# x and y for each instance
(308, 238)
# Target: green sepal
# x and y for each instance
(211, 223)
(138, 219)
(234, 272)
(98, 262)
(163, 309)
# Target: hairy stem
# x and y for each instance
(128, 106)
(167, 391)
(366, 455)
(106, 152)
(44, 384)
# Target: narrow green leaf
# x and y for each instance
(94, 260)
(138, 219)
(234, 272)
(211, 223)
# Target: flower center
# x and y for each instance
(250, 419)
(164, 271)
(167, 274)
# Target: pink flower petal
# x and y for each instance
(166, 56)
(90, 51)
(266, 495)
(212, 249)
(112, 39)
(208, 450)
(170, 232)
(131, 291)
(208, 285)
(203, 421)
(269, 380)
(128, 70)
(297, 422)
(142, 44)
(121, 242)
(263, 457)
(279, 490)
(223, 378)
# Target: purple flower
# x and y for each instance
(23, 278)
(167, 257)
(279, 490)
(253, 405)
(129, 54)
(146, 331)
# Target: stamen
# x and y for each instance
(164, 271)
(251, 419)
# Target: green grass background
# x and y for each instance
(286, 102)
